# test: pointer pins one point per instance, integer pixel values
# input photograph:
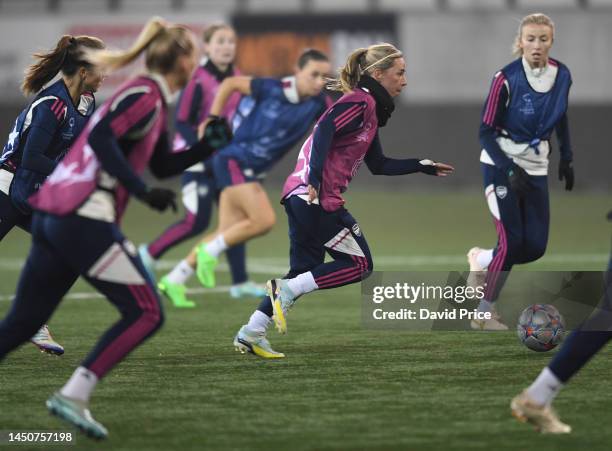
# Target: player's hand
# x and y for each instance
(610, 216)
(430, 167)
(202, 127)
(217, 132)
(159, 199)
(312, 194)
(519, 180)
(566, 171)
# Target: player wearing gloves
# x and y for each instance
(344, 137)
(77, 212)
(527, 102)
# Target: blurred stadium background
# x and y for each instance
(452, 49)
(342, 387)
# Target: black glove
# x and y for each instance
(217, 133)
(519, 180)
(566, 171)
(610, 216)
(428, 167)
(159, 199)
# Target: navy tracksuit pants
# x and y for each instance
(64, 248)
(522, 224)
(584, 342)
(11, 217)
(313, 232)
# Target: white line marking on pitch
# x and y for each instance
(278, 265)
(275, 265)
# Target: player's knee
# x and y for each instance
(514, 251)
(153, 315)
(369, 265)
(265, 223)
(533, 251)
(159, 318)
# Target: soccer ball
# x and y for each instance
(540, 327)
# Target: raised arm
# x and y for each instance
(230, 85)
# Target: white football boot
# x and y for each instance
(478, 274)
(544, 418)
(247, 340)
(487, 324)
(45, 342)
(282, 300)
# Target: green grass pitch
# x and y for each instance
(341, 387)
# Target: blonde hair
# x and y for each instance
(364, 61)
(531, 19)
(162, 42)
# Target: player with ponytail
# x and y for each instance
(44, 131)
(199, 192)
(344, 137)
(78, 209)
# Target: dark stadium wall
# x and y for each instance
(449, 133)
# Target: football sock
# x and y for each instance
(216, 246)
(484, 258)
(544, 389)
(181, 273)
(265, 306)
(485, 306)
(301, 284)
(259, 321)
(80, 385)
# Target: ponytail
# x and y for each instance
(350, 73)
(162, 42)
(48, 66)
(113, 60)
(66, 57)
(364, 61)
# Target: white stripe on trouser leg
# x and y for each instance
(492, 201)
(346, 243)
(115, 266)
(190, 197)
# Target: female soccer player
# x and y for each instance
(199, 190)
(534, 403)
(43, 132)
(77, 210)
(282, 113)
(344, 137)
(527, 101)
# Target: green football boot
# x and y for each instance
(175, 292)
(206, 265)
